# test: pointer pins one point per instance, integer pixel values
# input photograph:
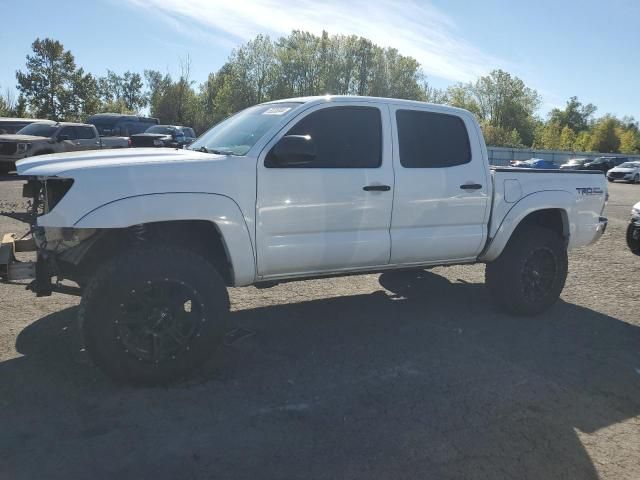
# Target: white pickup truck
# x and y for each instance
(294, 189)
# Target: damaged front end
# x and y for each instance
(56, 250)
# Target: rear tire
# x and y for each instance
(529, 275)
(153, 315)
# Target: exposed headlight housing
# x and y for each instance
(46, 193)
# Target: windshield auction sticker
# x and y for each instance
(276, 111)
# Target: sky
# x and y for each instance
(561, 48)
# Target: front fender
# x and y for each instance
(556, 199)
(166, 207)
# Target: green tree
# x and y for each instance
(434, 95)
(83, 99)
(173, 101)
(499, 137)
(548, 136)
(575, 115)
(500, 99)
(629, 140)
(461, 95)
(122, 93)
(51, 81)
(582, 142)
(604, 137)
(7, 104)
(567, 138)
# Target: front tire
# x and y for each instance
(636, 178)
(153, 315)
(529, 275)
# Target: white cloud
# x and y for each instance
(416, 29)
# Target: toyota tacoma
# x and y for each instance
(282, 191)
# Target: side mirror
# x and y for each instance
(62, 138)
(292, 151)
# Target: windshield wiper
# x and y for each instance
(220, 151)
(217, 151)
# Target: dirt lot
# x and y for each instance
(377, 376)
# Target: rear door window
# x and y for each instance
(432, 140)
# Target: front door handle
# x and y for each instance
(376, 188)
(470, 186)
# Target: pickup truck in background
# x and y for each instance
(41, 138)
(13, 125)
(172, 136)
(119, 125)
(283, 191)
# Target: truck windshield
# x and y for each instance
(39, 130)
(237, 134)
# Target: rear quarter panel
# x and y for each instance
(517, 193)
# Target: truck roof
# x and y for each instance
(15, 119)
(65, 124)
(121, 115)
(383, 100)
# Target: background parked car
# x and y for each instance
(118, 125)
(164, 136)
(633, 230)
(627, 171)
(12, 125)
(575, 164)
(604, 164)
(41, 138)
(534, 163)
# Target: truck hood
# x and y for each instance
(56, 164)
(22, 138)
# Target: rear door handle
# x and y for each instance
(376, 188)
(470, 186)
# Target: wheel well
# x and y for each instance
(554, 219)
(200, 236)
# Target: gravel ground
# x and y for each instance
(400, 375)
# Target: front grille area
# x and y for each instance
(616, 174)
(142, 141)
(8, 148)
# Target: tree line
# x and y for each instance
(52, 86)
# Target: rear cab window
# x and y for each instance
(431, 139)
(85, 133)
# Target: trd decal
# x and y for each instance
(590, 190)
